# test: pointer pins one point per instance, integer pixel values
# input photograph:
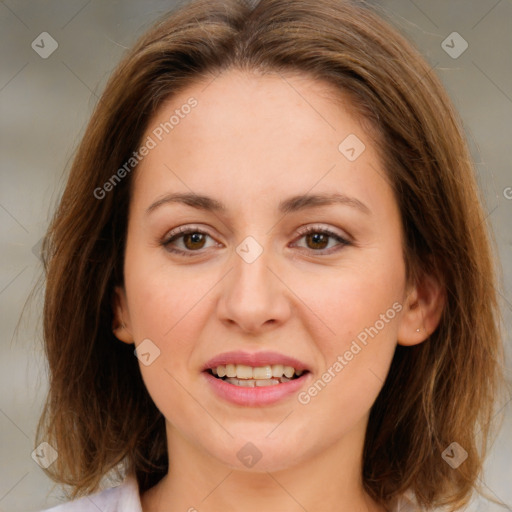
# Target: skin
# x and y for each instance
(252, 141)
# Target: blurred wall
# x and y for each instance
(47, 92)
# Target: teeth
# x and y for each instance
(262, 372)
(265, 382)
(288, 371)
(244, 372)
(277, 370)
(251, 383)
(256, 374)
(230, 370)
(246, 383)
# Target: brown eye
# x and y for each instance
(185, 241)
(317, 240)
(194, 240)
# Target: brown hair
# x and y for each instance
(98, 413)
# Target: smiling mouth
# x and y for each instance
(255, 376)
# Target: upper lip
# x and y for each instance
(254, 359)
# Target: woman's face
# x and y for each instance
(258, 160)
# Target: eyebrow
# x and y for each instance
(292, 204)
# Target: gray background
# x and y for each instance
(45, 104)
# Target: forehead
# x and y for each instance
(261, 106)
(258, 136)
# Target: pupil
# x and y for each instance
(195, 238)
(317, 239)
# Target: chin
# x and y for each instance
(259, 453)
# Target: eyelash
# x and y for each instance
(182, 231)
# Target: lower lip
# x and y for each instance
(256, 396)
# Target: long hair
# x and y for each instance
(98, 413)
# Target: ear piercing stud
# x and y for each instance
(417, 330)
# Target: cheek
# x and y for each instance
(355, 298)
(166, 308)
(360, 307)
(161, 296)
(354, 368)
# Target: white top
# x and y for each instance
(125, 498)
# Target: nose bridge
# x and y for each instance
(252, 278)
(252, 296)
(251, 265)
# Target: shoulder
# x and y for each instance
(123, 498)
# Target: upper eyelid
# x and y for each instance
(183, 230)
(318, 227)
(302, 231)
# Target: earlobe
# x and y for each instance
(120, 322)
(422, 312)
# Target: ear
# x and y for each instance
(423, 309)
(121, 322)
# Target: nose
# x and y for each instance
(254, 296)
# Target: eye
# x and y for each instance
(318, 238)
(193, 240)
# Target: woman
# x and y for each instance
(276, 208)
